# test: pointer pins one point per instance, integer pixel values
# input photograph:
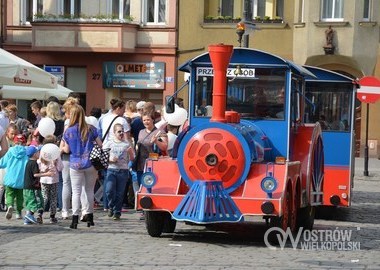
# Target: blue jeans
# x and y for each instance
(116, 180)
(103, 175)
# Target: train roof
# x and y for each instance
(247, 56)
(324, 75)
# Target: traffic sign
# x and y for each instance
(369, 91)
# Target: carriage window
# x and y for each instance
(331, 108)
(257, 94)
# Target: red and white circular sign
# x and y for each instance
(369, 91)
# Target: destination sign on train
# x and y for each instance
(134, 75)
(208, 71)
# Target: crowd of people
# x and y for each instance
(33, 183)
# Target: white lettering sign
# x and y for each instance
(231, 72)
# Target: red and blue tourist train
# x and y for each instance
(265, 137)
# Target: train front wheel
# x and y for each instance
(284, 220)
(154, 221)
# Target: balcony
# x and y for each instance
(95, 35)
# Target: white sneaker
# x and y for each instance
(8, 215)
(18, 216)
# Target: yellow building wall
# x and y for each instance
(194, 35)
(374, 119)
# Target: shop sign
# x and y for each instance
(134, 75)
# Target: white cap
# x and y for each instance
(140, 105)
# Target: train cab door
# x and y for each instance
(296, 104)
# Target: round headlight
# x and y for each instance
(148, 179)
(269, 184)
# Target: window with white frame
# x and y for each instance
(367, 10)
(70, 7)
(121, 9)
(227, 8)
(301, 11)
(265, 8)
(29, 8)
(154, 11)
(332, 10)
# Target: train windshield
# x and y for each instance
(330, 106)
(256, 94)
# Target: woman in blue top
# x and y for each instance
(79, 140)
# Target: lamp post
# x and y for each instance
(240, 27)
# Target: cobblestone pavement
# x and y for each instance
(125, 244)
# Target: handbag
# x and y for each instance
(99, 157)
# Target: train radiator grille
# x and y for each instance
(207, 202)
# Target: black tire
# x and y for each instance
(154, 221)
(169, 224)
(281, 222)
(305, 217)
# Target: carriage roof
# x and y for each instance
(249, 57)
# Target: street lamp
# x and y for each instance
(240, 30)
(246, 21)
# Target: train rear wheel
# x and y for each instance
(293, 211)
(305, 217)
(154, 221)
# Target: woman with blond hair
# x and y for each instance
(66, 183)
(53, 111)
(78, 140)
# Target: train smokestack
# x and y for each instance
(220, 55)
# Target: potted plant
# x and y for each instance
(219, 19)
(257, 19)
(208, 19)
(277, 19)
(237, 19)
(228, 19)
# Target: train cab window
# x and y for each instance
(329, 105)
(259, 95)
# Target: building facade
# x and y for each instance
(99, 48)
(339, 35)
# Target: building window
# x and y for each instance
(367, 10)
(155, 11)
(332, 10)
(227, 8)
(269, 9)
(121, 9)
(29, 8)
(72, 8)
(301, 11)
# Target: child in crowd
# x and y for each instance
(49, 178)
(121, 152)
(36, 108)
(10, 134)
(15, 161)
(172, 136)
(32, 188)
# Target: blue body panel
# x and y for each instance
(337, 148)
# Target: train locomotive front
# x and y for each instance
(227, 169)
